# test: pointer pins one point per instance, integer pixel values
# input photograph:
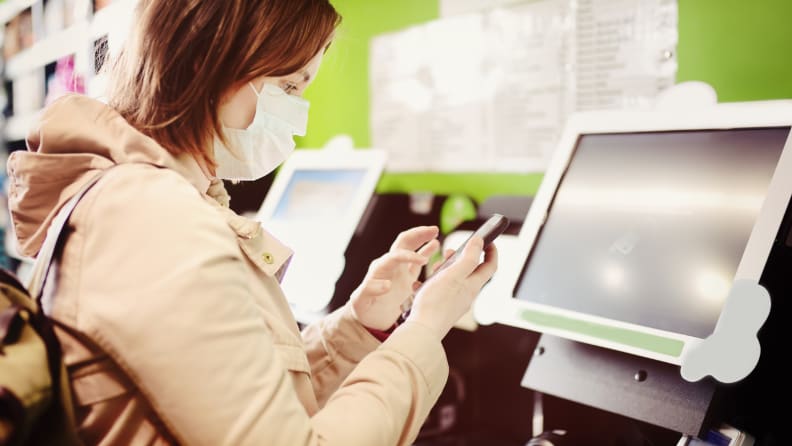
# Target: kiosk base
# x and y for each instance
(635, 387)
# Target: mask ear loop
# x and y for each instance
(254, 89)
(259, 93)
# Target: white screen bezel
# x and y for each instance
(372, 161)
(319, 241)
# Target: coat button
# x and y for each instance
(268, 258)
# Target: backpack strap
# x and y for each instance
(59, 418)
(46, 254)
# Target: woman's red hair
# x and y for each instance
(183, 56)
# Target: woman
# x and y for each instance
(174, 327)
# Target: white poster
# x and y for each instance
(625, 52)
(528, 56)
(457, 7)
(490, 91)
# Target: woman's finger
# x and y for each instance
(430, 248)
(399, 257)
(468, 259)
(487, 268)
(446, 255)
(375, 287)
(414, 238)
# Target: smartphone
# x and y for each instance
(488, 231)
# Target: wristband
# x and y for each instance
(381, 335)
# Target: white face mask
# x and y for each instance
(254, 152)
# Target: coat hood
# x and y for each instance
(74, 139)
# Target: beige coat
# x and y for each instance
(173, 322)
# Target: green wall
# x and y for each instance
(340, 95)
(741, 47)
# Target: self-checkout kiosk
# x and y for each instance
(314, 205)
(655, 260)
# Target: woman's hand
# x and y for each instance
(447, 295)
(391, 279)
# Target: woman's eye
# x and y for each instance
(289, 87)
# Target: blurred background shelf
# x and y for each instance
(10, 8)
(52, 47)
(68, 41)
(16, 127)
(114, 19)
